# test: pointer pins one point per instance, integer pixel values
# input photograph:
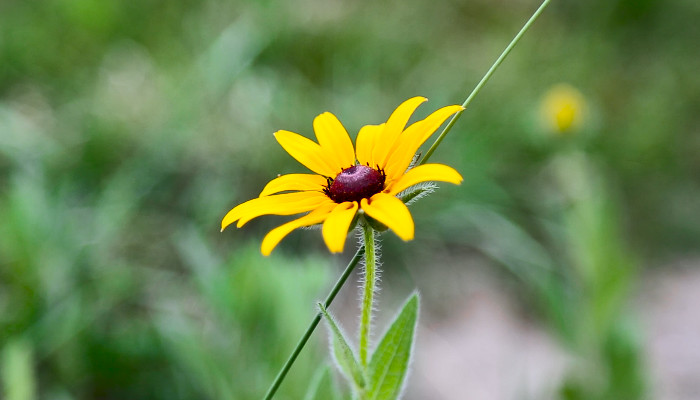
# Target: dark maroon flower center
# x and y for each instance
(355, 183)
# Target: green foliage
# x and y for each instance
(384, 377)
(390, 361)
(17, 374)
(581, 275)
(127, 130)
(344, 355)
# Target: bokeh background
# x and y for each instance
(564, 267)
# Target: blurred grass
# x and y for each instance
(128, 129)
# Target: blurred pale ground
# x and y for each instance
(564, 267)
(491, 350)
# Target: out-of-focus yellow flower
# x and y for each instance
(563, 109)
(347, 180)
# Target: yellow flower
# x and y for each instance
(563, 108)
(349, 180)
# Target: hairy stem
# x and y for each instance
(368, 291)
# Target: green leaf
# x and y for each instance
(343, 354)
(390, 361)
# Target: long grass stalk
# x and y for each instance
(314, 323)
(483, 80)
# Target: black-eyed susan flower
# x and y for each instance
(349, 180)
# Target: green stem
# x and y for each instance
(302, 342)
(483, 81)
(368, 291)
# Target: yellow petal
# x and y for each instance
(391, 212)
(279, 204)
(365, 142)
(335, 229)
(412, 138)
(425, 173)
(334, 140)
(308, 153)
(297, 182)
(276, 235)
(394, 126)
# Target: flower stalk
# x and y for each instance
(368, 291)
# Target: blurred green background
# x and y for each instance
(128, 129)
